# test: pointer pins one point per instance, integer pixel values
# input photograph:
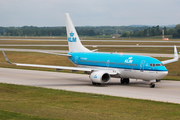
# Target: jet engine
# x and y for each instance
(100, 77)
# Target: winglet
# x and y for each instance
(176, 53)
(7, 60)
(176, 57)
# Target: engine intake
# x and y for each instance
(100, 77)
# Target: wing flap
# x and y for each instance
(55, 67)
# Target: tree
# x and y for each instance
(157, 30)
(4, 34)
(178, 31)
(177, 27)
(176, 34)
(126, 34)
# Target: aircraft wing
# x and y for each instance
(172, 60)
(87, 69)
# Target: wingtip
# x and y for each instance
(7, 60)
(175, 53)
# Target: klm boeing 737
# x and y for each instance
(102, 66)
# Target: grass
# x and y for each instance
(56, 42)
(47, 59)
(160, 50)
(26, 102)
(34, 58)
(7, 115)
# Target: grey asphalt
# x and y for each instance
(165, 46)
(166, 91)
(112, 40)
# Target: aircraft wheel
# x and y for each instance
(96, 83)
(122, 81)
(127, 80)
(152, 85)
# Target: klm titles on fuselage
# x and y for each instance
(129, 60)
(71, 38)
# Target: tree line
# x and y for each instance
(154, 31)
(123, 31)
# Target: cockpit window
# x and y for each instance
(153, 65)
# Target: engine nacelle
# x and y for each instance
(100, 77)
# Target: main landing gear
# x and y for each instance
(96, 83)
(124, 80)
(152, 85)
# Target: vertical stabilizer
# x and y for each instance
(74, 42)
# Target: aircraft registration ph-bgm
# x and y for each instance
(102, 66)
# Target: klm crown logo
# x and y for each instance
(95, 76)
(71, 38)
(71, 34)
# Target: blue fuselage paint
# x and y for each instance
(118, 61)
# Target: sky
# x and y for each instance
(50, 13)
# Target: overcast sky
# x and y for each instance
(89, 12)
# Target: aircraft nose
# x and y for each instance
(165, 73)
(162, 74)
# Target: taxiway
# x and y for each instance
(166, 91)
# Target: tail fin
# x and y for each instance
(74, 42)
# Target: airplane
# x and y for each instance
(102, 66)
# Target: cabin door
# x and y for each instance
(107, 63)
(76, 59)
(142, 65)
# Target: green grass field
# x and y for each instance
(24, 102)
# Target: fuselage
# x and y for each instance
(129, 66)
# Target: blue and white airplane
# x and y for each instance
(102, 66)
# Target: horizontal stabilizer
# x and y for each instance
(94, 50)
